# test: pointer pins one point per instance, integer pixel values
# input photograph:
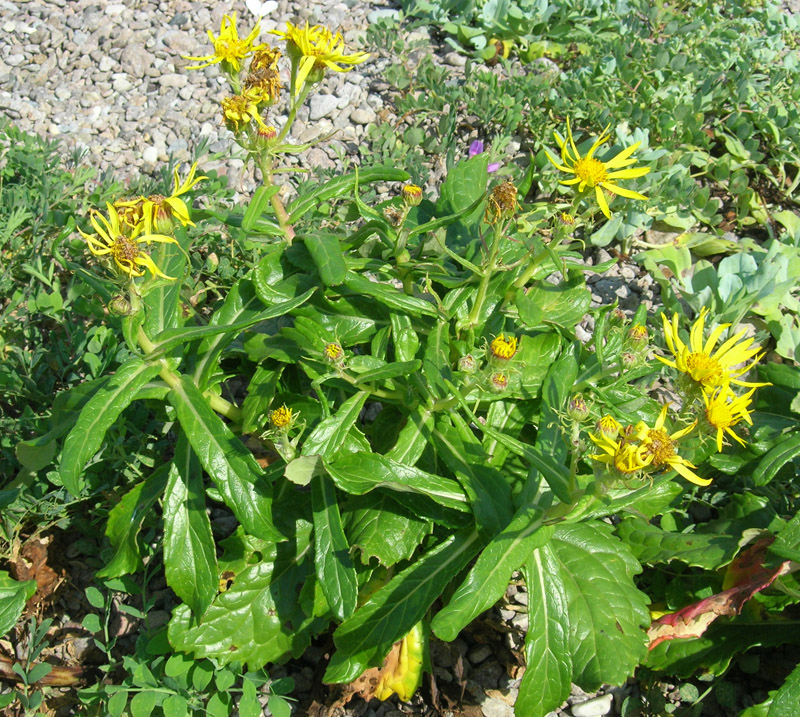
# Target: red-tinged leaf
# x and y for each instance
(746, 575)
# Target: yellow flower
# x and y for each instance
(626, 457)
(592, 173)
(723, 414)
(503, 348)
(159, 210)
(710, 371)
(312, 49)
(239, 110)
(638, 334)
(660, 447)
(281, 417)
(609, 426)
(123, 248)
(412, 194)
(228, 47)
(130, 212)
(333, 352)
(263, 81)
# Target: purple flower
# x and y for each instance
(477, 148)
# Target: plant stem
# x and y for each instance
(281, 214)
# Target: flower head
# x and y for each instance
(333, 352)
(503, 348)
(704, 369)
(498, 382)
(475, 149)
(412, 194)
(313, 49)
(238, 111)
(502, 201)
(263, 81)
(158, 211)
(609, 426)
(282, 417)
(229, 48)
(724, 411)
(590, 172)
(130, 213)
(124, 248)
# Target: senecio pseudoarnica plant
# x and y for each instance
(427, 422)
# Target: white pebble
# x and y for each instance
(150, 155)
(595, 707)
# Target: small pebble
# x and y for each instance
(595, 707)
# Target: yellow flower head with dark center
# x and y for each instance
(333, 352)
(590, 172)
(281, 417)
(313, 49)
(228, 46)
(238, 111)
(503, 348)
(502, 202)
(701, 364)
(124, 248)
(159, 211)
(659, 446)
(724, 411)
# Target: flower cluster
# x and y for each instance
(132, 223)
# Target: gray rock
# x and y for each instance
(172, 80)
(494, 707)
(478, 654)
(362, 116)
(322, 106)
(595, 707)
(455, 59)
(136, 60)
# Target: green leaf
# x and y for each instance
(787, 698)
(259, 619)
(190, 561)
(787, 543)
(652, 545)
(562, 304)
(606, 612)
(363, 640)
(488, 579)
(330, 433)
(787, 450)
(405, 338)
(258, 206)
(125, 521)
(381, 528)
(327, 255)
(260, 392)
(390, 370)
(341, 186)
(413, 438)
(548, 673)
(231, 466)
(335, 571)
(98, 415)
(436, 362)
(387, 295)
(143, 703)
(249, 706)
(13, 596)
(359, 473)
(162, 302)
(489, 493)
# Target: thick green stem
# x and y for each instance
(281, 214)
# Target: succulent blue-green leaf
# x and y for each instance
(190, 561)
(363, 640)
(548, 674)
(13, 596)
(334, 566)
(125, 522)
(235, 472)
(329, 434)
(98, 414)
(360, 472)
(488, 578)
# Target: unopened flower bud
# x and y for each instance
(629, 359)
(577, 408)
(467, 364)
(609, 426)
(498, 382)
(120, 306)
(412, 195)
(637, 334)
(333, 352)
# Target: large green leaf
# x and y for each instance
(787, 543)
(13, 596)
(488, 491)
(404, 337)
(125, 522)
(361, 472)
(98, 414)
(436, 364)
(606, 611)
(787, 699)
(327, 255)
(387, 295)
(336, 573)
(563, 304)
(364, 639)
(652, 545)
(329, 434)
(488, 579)
(231, 466)
(413, 438)
(261, 618)
(787, 450)
(548, 673)
(380, 528)
(190, 560)
(162, 302)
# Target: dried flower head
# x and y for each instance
(502, 202)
